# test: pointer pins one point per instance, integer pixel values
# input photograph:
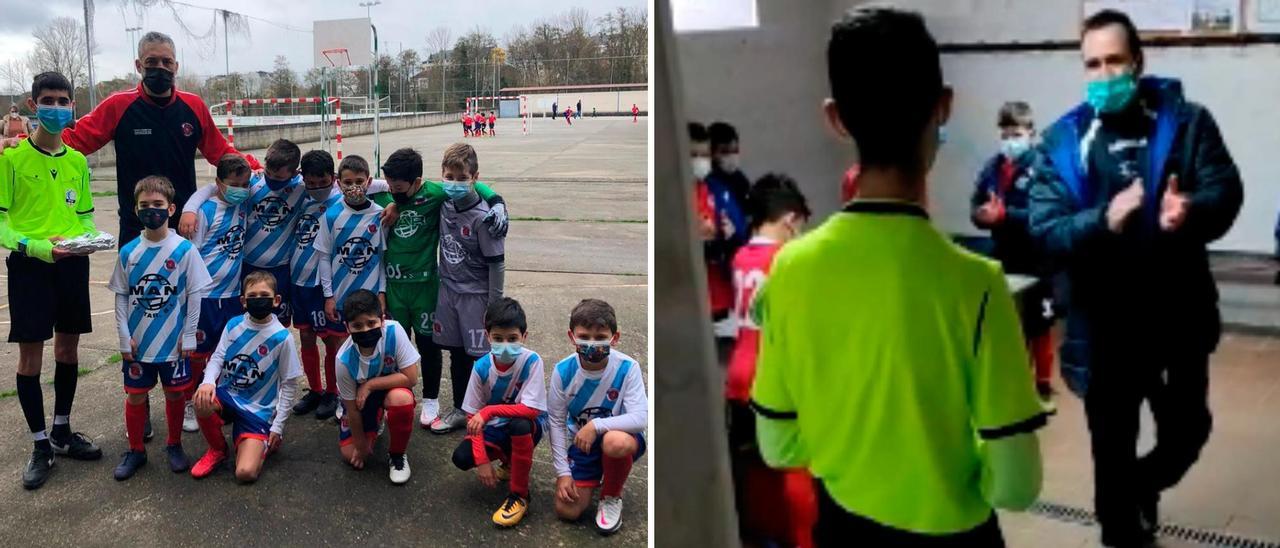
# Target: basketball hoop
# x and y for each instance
(336, 56)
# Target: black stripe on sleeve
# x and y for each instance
(1032, 424)
(770, 413)
(4, 210)
(85, 212)
(982, 316)
(495, 259)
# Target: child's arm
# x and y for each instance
(636, 403)
(84, 204)
(322, 245)
(497, 216)
(494, 251)
(1011, 472)
(291, 368)
(557, 408)
(187, 224)
(117, 285)
(777, 431)
(197, 285)
(404, 378)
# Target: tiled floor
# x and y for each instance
(1235, 488)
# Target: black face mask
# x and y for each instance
(259, 307)
(401, 198)
(158, 80)
(366, 339)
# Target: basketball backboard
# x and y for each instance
(354, 35)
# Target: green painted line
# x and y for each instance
(8, 393)
(560, 220)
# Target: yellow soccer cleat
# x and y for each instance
(511, 511)
(502, 471)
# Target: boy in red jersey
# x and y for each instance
(777, 506)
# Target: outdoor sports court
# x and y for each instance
(577, 198)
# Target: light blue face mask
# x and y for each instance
(505, 352)
(456, 191)
(53, 118)
(1110, 95)
(235, 195)
(942, 134)
(1015, 147)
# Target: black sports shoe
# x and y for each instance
(130, 463)
(328, 405)
(307, 404)
(76, 446)
(38, 469)
(177, 458)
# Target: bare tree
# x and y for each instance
(60, 47)
(15, 77)
(439, 40)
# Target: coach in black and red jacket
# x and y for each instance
(156, 129)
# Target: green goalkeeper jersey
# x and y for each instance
(413, 242)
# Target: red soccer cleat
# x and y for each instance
(208, 463)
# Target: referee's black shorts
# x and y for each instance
(44, 298)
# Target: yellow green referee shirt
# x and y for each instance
(896, 353)
(43, 195)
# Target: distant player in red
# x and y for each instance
(466, 124)
(635, 113)
(493, 121)
(568, 115)
(774, 506)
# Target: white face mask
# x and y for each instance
(701, 167)
(729, 163)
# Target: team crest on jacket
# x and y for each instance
(169, 264)
(71, 194)
(262, 350)
(373, 228)
(466, 231)
(612, 394)
(135, 370)
(187, 129)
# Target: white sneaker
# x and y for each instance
(451, 421)
(609, 515)
(430, 410)
(398, 468)
(189, 423)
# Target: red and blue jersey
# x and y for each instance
(750, 269)
(522, 383)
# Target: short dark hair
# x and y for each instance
(698, 133)
(773, 196)
(260, 276)
(154, 183)
(354, 163)
(722, 133)
(231, 164)
(403, 165)
(887, 119)
(593, 313)
(317, 163)
(361, 302)
(283, 153)
(1015, 113)
(505, 312)
(52, 81)
(1113, 17)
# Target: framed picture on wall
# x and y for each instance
(1176, 17)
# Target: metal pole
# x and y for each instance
(88, 44)
(377, 145)
(226, 55)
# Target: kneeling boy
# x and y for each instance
(249, 382)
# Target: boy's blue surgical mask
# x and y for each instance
(942, 134)
(54, 118)
(235, 194)
(1110, 95)
(1014, 147)
(592, 351)
(505, 352)
(456, 191)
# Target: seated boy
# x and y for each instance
(158, 281)
(598, 412)
(250, 382)
(219, 237)
(377, 368)
(507, 406)
(471, 273)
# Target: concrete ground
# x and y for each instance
(578, 200)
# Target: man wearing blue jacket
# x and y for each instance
(1130, 188)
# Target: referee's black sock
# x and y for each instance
(64, 392)
(32, 402)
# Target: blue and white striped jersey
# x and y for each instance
(163, 282)
(253, 361)
(394, 352)
(523, 383)
(272, 217)
(220, 233)
(353, 240)
(304, 261)
(612, 398)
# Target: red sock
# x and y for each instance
(330, 357)
(521, 462)
(135, 419)
(173, 409)
(211, 427)
(400, 424)
(802, 503)
(311, 366)
(1042, 354)
(615, 474)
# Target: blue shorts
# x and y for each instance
(587, 468)
(284, 288)
(140, 378)
(498, 438)
(307, 305)
(370, 416)
(243, 423)
(214, 315)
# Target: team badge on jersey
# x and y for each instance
(466, 231)
(409, 223)
(187, 129)
(373, 228)
(262, 350)
(169, 264)
(71, 194)
(135, 371)
(612, 394)
(451, 249)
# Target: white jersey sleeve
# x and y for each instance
(634, 402)
(346, 384)
(406, 353)
(198, 281)
(558, 409)
(534, 393)
(200, 196)
(290, 368)
(214, 367)
(477, 393)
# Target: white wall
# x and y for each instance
(604, 101)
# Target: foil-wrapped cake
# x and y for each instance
(88, 243)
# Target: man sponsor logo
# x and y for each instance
(242, 370)
(356, 253)
(592, 413)
(232, 243)
(305, 232)
(154, 294)
(272, 211)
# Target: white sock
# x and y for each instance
(61, 419)
(37, 436)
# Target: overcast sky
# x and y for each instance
(401, 23)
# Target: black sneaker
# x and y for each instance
(307, 404)
(130, 463)
(328, 405)
(38, 469)
(76, 446)
(177, 458)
